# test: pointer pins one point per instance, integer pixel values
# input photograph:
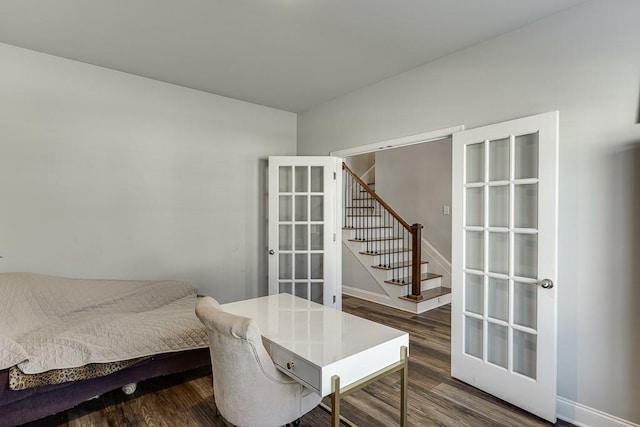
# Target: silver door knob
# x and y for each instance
(546, 283)
(271, 252)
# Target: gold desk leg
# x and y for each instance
(404, 383)
(335, 401)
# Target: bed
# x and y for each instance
(64, 341)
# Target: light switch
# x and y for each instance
(445, 210)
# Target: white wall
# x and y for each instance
(585, 63)
(355, 275)
(416, 182)
(104, 174)
(361, 163)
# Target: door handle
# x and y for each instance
(546, 283)
(271, 252)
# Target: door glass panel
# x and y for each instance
(317, 208)
(497, 345)
(474, 293)
(499, 206)
(526, 255)
(286, 209)
(475, 206)
(499, 253)
(284, 266)
(475, 162)
(473, 336)
(525, 304)
(317, 179)
(499, 160)
(285, 288)
(317, 292)
(498, 299)
(302, 240)
(302, 266)
(524, 353)
(302, 179)
(474, 250)
(285, 237)
(285, 180)
(301, 208)
(526, 156)
(302, 289)
(317, 266)
(317, 237)
(526, 206)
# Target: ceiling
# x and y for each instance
(287, 54)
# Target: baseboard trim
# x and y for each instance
(367, 295)
(584, 416)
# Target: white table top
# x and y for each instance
(322, 335)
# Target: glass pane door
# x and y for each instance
(504, 243)
(303, 218)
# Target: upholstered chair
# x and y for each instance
(247, 388)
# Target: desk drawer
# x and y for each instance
(296, 367)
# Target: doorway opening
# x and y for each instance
(413, 176)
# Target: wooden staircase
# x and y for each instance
(384, 246)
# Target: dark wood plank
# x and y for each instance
(435, 399)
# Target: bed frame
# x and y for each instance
(22, 406)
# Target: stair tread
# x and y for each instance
(397, 265)
(366, 228)
(364, 215)
(361, 198)
(375, 240)
(431, 294)
(386, 252)
(423, 277)
(359, 207)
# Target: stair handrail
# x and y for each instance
(373, 194)
(415, 230)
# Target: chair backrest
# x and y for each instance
(248, 389)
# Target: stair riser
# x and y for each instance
(381, 245)
(425, 285)
(395, 258)
(376, 233)
(371, 221)
(361, 210)
(403, 272)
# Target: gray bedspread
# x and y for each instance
(55, 323)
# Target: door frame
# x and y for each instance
(403, 141)
(444, 265)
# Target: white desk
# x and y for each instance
(331, 352)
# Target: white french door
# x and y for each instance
(304, 242)
(504, 261)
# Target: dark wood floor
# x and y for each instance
(435, 399)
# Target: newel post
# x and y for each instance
(416, 262)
